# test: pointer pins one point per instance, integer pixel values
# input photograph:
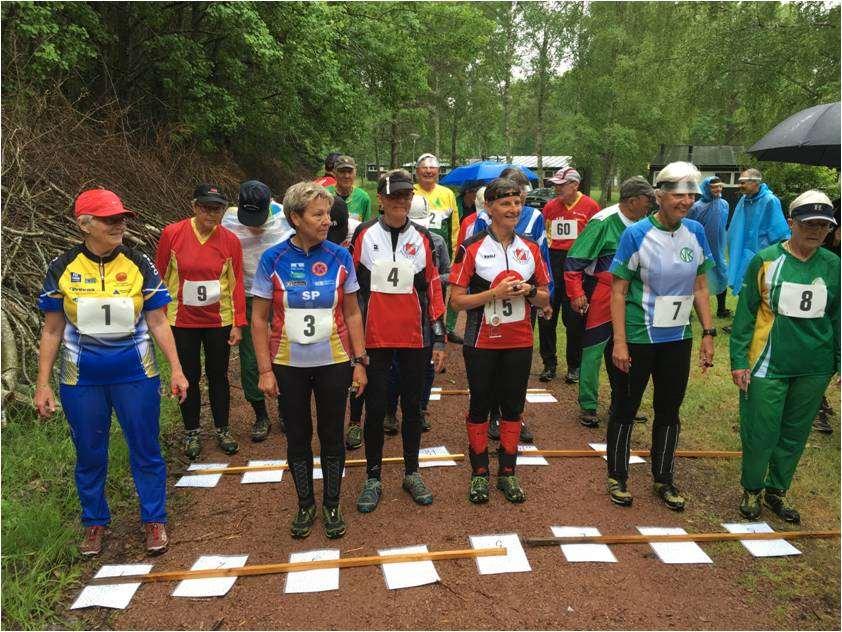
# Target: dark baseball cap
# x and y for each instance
(395, 182)
(253, 203)
(345, 162)
(207, 193)
(635, 186)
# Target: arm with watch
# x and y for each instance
(359, 358)
(701, 302)
(260, 338)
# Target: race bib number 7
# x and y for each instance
(393, 277)
(672, 311)
(564, 229)
(102, 316)
(799, 300)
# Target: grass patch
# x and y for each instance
(41, 528)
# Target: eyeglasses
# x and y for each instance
(400, 195)
(112, 220)
(212, 209)
(814, 225)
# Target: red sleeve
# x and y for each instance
(239, 290)
(431, 273)
(593, 208)
(463, 267)
(551, 210)
(463, 227)
(542, 277)
(573, 284)
(162, 255)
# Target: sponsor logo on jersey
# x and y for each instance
(686, 254)
(121, 276)
(90, 279)
(374, 247)
(491, 256)
(296, 274)
(521, 255)
(319, 268)
(297, 265)
(116, 291)
(75, 277)
(409, 249)
(297, 284)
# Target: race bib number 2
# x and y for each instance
(392, 277)
(672, 311)
(799, 300)
(102, 316)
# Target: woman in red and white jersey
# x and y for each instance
(495, 274)
(202, 265)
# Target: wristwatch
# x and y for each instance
(531, 293)
(363, 359)
(709, 332)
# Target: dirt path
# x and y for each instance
(639, 592)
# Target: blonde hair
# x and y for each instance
(299, 196)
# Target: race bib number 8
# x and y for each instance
(200, 293)
(798, 300)
(306, 326)
(505, 310)
(100, 316)
(672, 311)
(392, 277)
(564, 229)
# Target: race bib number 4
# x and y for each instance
(393, 277)
(306, 326)
(798, 300)
(505, 310)
(564, 229)
(102, 316)
(200, 293)
(672, 311)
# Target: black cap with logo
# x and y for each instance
(253, 203)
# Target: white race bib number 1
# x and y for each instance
(306, 326)
(100, 316)
(200, 293)
(393, 277)
(564, 229)
(672, 311)
(505, 310)
(799, 300)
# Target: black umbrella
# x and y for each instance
(810, 137)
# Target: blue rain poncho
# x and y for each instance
(758, 222)
(712, 213)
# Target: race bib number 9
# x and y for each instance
(564, 229)
(306, 326)
(798, 300)
(672, 311)
(392, 277)
(505, 310)
(200, 293)
(101, 316)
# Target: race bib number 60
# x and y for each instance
(564, 229)
(672, 311)
(99, 316)
(392, 277)
(799, 300)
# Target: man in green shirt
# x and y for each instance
(359, 204)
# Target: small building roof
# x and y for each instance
(531, 162)
(701, 155)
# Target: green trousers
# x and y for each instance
(776, 417)
(248, 361)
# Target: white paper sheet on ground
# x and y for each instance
(436, 389)
(762, 548)
(514, 561)
(115, 595)
(434, 397)
(210, 586)
(529, 460)
(317, 580)
(201, 480)
(267, 476)
(317, 470)
(583, 552)
(676, 552)
(604, 446)
(408, 574)
(540, 398)
(439, 449)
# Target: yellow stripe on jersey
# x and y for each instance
(759, 349)
(172, 282)
(226, 292)
(336, 348)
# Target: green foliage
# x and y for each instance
(789, 180)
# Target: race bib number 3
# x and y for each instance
(101, 316)
(505, 310)
(306, 326)
(392, 277)
(200, 293)
(564, 229)
(672, 311)
(798, 300)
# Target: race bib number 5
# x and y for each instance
(564, 229)
(101, 316)
(798, 300)
(392, 277)
(306, 326)
(200, 293)
(672, 311)
(505, 310)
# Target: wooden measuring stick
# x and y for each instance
(291, 567)
(239, 469)
(683, 537)
(716, 454)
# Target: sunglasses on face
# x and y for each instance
(113, 220)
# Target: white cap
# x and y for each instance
(418, 212)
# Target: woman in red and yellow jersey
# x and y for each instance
(202, 265)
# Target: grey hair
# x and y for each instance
(752, 173)
(676, 172)
(83, 220)
(298, 197)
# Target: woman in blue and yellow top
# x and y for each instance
(316, 346)
(102, 305)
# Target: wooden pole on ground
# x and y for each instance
(291, 567)
(239, 469)
(683, 537)
(714, 454)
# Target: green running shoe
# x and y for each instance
(333, 522)
(354, 437)
(478, 492)
(192, 444)
(390, 424)
(670, 495)
(260, 429)
(750, 505)
(420, 493)
(225, 441)
(511, 488)
(303, 521)
(776, 501)
(618, 493)
(370, 496)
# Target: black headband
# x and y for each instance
(504, 193)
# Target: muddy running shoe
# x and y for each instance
(425, 422)
(672, 498)
(390, 424)
(826, 408)
(478, 491)
(525, 433)
(494, 428)
(726, 329)
(572, 376)
(821, 424)
(303, 521)
(370, 496)
(354, 436)
(192, 444)
(511, 488)
(588, 418)
(260, 429)
(640, 419)
(750, 505)
(776, 501)
(334, 522)
(225, 441)
(156, 538)
(92, 542)
(548, 374)
(420, 493)
(618, 493)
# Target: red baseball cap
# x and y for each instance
(100, 203)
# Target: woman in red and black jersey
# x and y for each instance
(495, 274)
